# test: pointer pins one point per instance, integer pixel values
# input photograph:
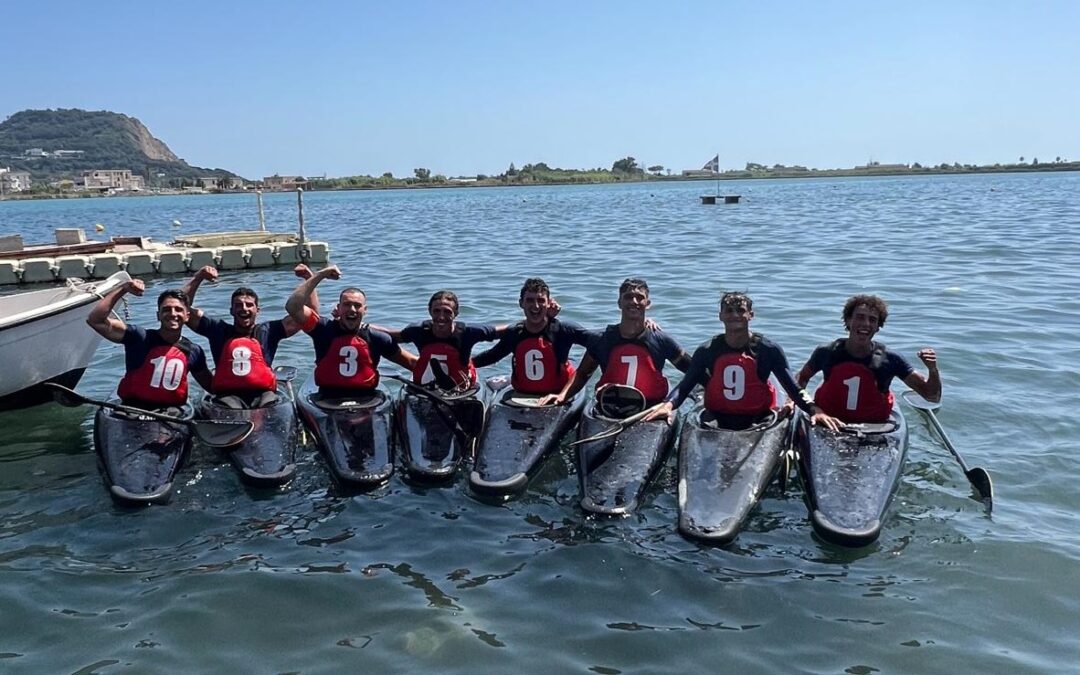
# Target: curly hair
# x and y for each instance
(534, 285)
(873, 303)
(736, 298)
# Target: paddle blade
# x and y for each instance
(613, 430)
(980, 480)
(64, 396)
(222, 434)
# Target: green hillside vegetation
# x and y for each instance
(107, 140)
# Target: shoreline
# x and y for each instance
(494, 182)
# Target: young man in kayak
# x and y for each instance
(347, 351)
(734, 368)
(628, 353)
(157, 361)
(858, 370)
(540, 344)
(243, 350)
(445, 340)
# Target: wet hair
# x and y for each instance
(736, 298)
(534, 285)
(633, 283)
(443, 295)
(351, 289)
(875, 303)
(175, 294)
(244, 291)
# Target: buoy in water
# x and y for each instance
(98, 227)
(176, 223)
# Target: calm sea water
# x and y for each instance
(226, 579)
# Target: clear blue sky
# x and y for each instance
(467, 87)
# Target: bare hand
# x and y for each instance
(550, 399)
(553, 308)
(825, 420)
(207, 273)
(303, 271)
(929, 357)
(651, 324)
(787, 409)
(666, 410)
(331, 272)
(135, 286)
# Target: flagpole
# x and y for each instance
(717, 169)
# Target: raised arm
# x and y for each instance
(928, 387)
(101, 320)
(205, 273)
(291, 326)
(298, 303)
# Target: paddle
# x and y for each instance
(444, 406)
(979, 477)
(619, 427)
(216, 434)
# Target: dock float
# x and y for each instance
(74, 258)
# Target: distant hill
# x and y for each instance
(101, 139)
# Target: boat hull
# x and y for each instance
(723, 472)
(267, 457)
(614, 473)
(849, 478)
(44, 338)
(355, 436)
(516, 440)
(140, 456)
(430, 450)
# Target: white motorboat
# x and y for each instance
(44, 338)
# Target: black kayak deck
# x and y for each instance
(613, 473)
(723, 472)
(431, 449)
(518, 436)
(267, 457)
(849, 477)
(355, 435)
(140, 456)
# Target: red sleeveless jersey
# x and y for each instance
(736, 389)
(160, 380)
(850, 392)
(536, 367)
(243, 367)
(449, 357)
(347, 364)
(631, 364)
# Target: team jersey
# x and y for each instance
(242, 363)
(453, 352)
(156, 370)
(344, 359)
(856, 389)
(541, 361)
(736, 379)
(635, 362)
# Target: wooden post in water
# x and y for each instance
(262, 219)
(300, 213)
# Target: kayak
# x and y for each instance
(140, 456)
(614, 472)
(849, 477)
(722, 473)
(518, 437)
(355, 435)
(267, 457)
(432, 449)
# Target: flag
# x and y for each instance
(712, 165)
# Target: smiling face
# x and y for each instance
(535, 306)
(443, 311)
(735, 313)
(863, 325)
(634, 301)
(173, 314)
(244, 310)
(351, 307)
